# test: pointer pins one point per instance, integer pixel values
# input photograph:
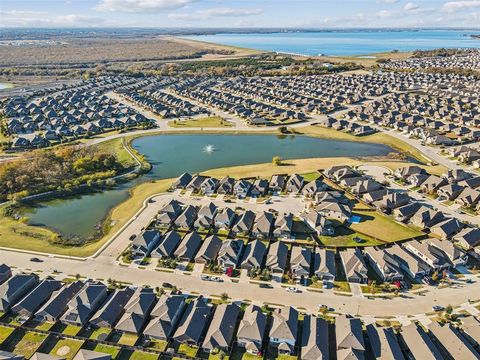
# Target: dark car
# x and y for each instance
(167, 285)
(266, 286)
(34, 259)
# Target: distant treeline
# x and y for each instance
(438, 53)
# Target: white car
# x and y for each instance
(292, 290)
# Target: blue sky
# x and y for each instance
(240, 13)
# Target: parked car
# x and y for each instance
(167, 285)
(266, 286)
(438, 308)
(292, 289)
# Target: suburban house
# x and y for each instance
(354, 265)
(110, 312)
(262, 227)
(283, 226)
(205, 217)
(300, 262)
(165, 317)
(315, 342)
(209, 250)
(137, 311)
(167, 245)
(15, 288)
(277, 257)
(27, 307)
(85, 304)
(251, 331)
(349, 336)
(189, 246)
(283, 333)
(253, 255)
(244, 223)
(383, 343)
(54, 308)
(144, 243)
(229, 254)
(324, 264)
(387, 271)
(419, 343)
(221, 331)
(193, 323)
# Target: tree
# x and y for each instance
(277, 160)
(435, 276)
(224, 297)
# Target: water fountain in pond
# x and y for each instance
(209, 149)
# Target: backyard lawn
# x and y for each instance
(66, 348)
(26, 344)
(106, 349)
(187, 350)
(137, 355)
(128, 339)
(100, 332)
(5, 333)
(71, 330)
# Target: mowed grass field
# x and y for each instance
(206, 122)
(382, 227)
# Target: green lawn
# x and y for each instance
(137, 355)
(5, 333)
(158, 344)
(98, 332)
(71, 330)
(128, 339)
(106, 349)
(66, 348)
(115, 146)
(206, 122)
(383, 227)
(187, 350)
(28, 344)
(239, 354)
(44, 326)
(341, 286)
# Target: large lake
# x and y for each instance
(172, 155)
(346, 43)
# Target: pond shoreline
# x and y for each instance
(293, 146)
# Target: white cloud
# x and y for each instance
(384, 14)
(215, 12)
(15, 18)
(453, 6)
(388, 1)
(141, 5)
(410, 6)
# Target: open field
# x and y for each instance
(98, 49)
(367, 61)
(382, 227)
(206, 122)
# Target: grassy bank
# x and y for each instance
(377, 138)
(206, 122)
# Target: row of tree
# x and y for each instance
(60, 169)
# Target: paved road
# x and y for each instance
(106, 267)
